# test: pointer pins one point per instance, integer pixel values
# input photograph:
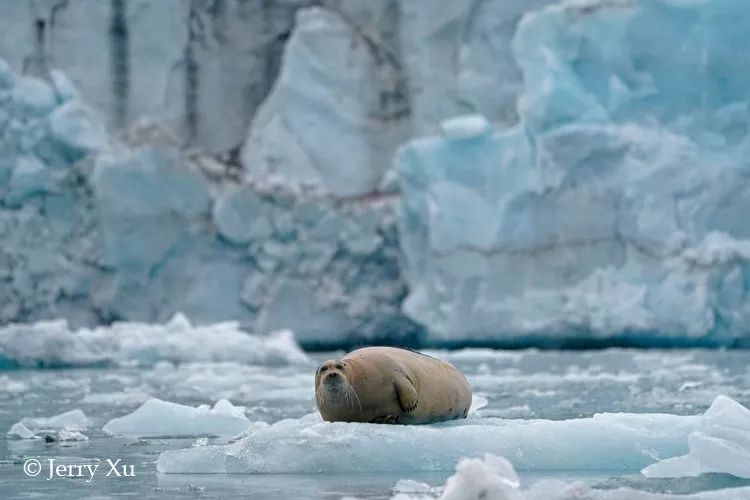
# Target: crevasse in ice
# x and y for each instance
(615, 208)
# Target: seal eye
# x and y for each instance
(339, 366)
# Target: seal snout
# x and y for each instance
(331, 375)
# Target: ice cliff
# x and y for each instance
(594, 193)
(99, 228)
(615, 208)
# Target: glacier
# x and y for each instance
(614, 209)
(567, 190)
(101, 228)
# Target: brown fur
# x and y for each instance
(390, 385)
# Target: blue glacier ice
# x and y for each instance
(101, 228)
(615, 209)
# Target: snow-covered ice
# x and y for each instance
(157, 418)
(623, 442)
(66, 426)
(720, 444)
(54, 343)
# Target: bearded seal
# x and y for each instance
(392, 386)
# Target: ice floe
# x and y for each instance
(624, 442)
(54, 343)
(720, 444)
(66, 426)
(157, 418)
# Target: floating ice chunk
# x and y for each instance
(30, 428)
(8, 386)
(157, 418)
(411, 486)
(21, 431)
(491, 478)
(721, 444)
(70, 435)
(612, 441)
(54, 343)
(494, 478)
(465, 127)
(477, 403)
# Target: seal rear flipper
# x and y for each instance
(407, 394)
(385, 419)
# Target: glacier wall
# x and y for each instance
(595, 192)
(96, 229)
(203, 68)
(616, 208)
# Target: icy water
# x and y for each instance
(518, 384)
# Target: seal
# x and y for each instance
(391, 386)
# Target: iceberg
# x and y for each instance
(66, 426)
(624, 442)
(720, 444)
(598, 216)
(157, 418)
(55, 344)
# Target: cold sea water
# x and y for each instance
(528, 384)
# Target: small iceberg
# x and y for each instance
(63, 427)
(157, 418)
(720, 444)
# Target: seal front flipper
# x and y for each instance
(407, 394)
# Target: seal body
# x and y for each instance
(390, 385)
